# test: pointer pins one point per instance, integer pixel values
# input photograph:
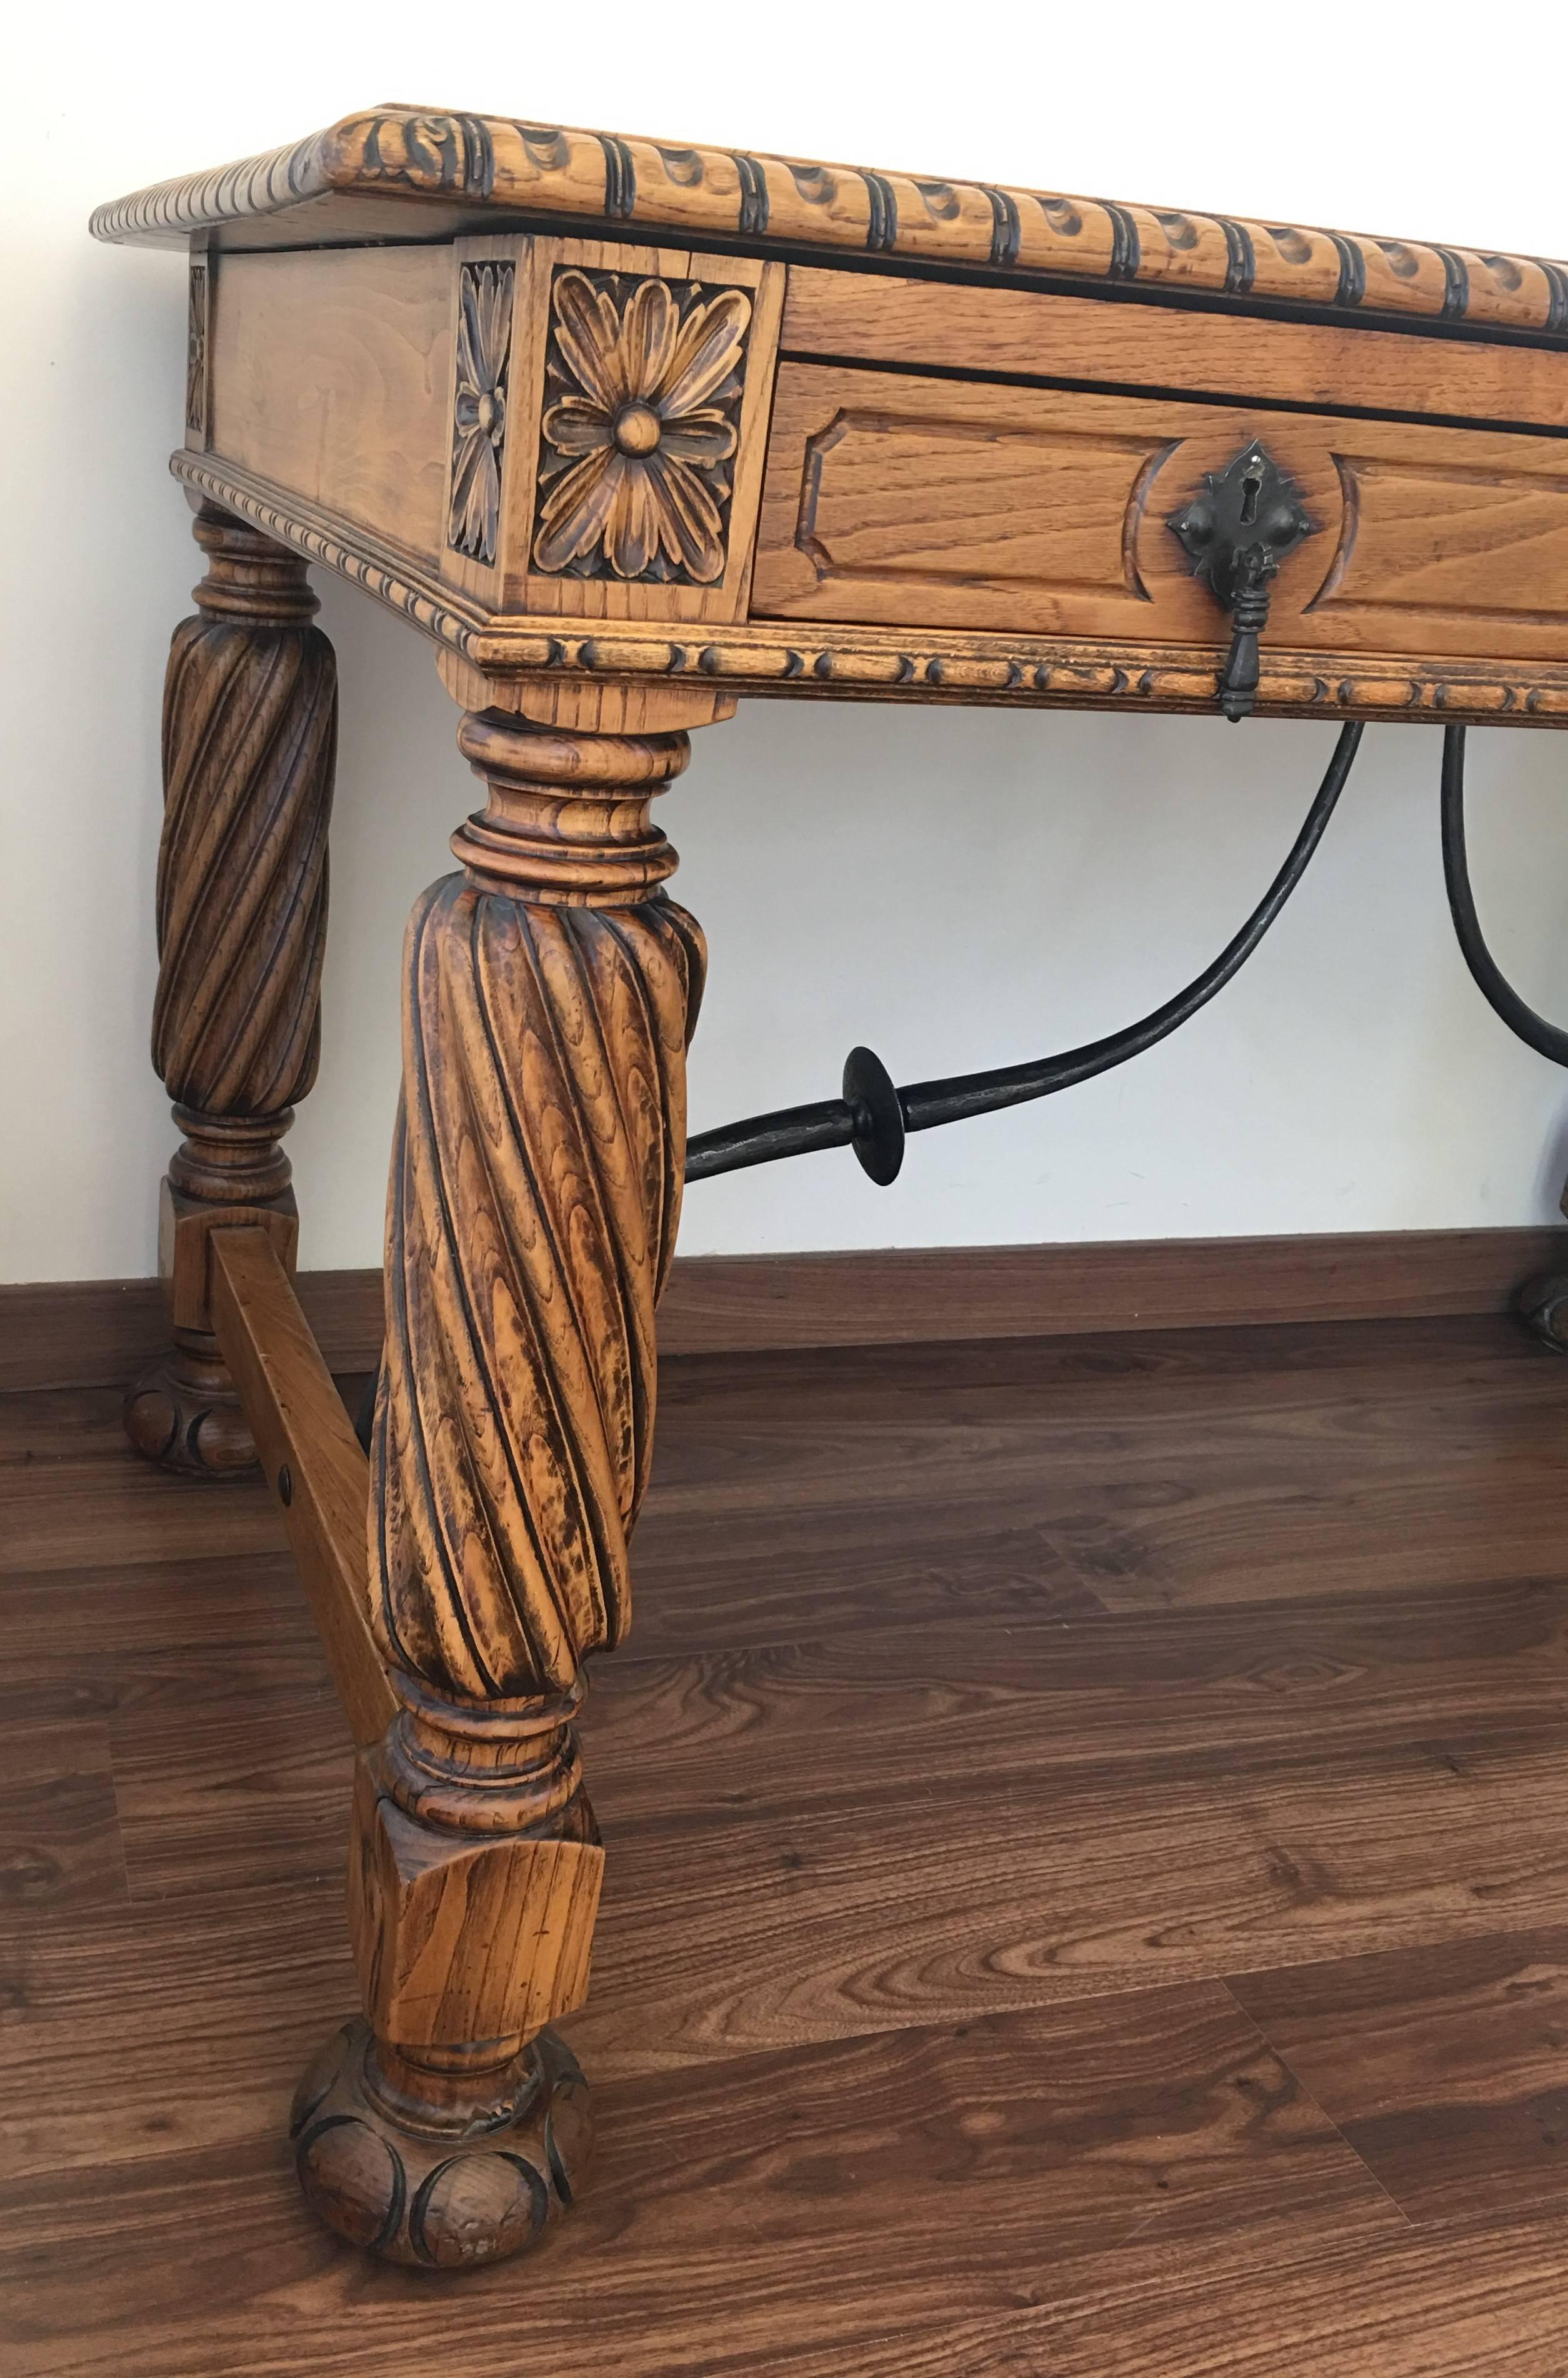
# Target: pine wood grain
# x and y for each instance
(250, 728)
(525, 588)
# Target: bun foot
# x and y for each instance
(438, 2185)
(1542, 1305)
(185, 1414)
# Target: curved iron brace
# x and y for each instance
(873, 1116)
(1548, 1039)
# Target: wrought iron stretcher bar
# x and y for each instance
(873, 1116)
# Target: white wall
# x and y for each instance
(955, 888)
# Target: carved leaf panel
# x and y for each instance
(197, 337)
(486, 290)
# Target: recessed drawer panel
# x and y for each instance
(901, 501)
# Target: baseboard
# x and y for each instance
(98, 1333)
(904, 1294)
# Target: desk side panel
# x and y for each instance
(331, 377)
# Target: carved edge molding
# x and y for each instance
(390, 577)
(481, 162)
(758, 659)
(767, 656)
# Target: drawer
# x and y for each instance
(894, 499)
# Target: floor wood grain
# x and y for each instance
(1446, 2071)
(1087, 1891)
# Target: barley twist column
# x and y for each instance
(550, 992)
(249, 739)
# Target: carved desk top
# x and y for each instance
(629, 429)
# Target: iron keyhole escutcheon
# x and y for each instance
(1235, 534)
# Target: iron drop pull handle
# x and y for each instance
(1235, 535)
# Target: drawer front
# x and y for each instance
(901, 501)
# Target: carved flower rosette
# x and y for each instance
(641, 424)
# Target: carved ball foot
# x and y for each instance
(417, 2185)
(1542, 1305)
(185, 1413)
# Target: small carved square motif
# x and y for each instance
(643, 382)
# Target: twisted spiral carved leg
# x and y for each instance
(550, 992)
(249, 738)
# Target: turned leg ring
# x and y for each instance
(438, 2195)
(185, 1413)
(1542, 1305)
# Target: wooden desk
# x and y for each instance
(627, 431)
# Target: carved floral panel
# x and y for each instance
(643, 384)
(196, 356)
(479, 412)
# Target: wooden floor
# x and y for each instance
(1088, 1886)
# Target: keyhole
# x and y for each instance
(1251, 487)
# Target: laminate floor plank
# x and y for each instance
(1068, 1688)
(166, 2027)
(1447, 2069)
(1473, 2300)
(228, 1793)
(72, 1512)
(1375, 1367)
(60, 1846)
(904, 1902)
(1087, 1892)
(1199, 1468)
(1074, 2140)
(178, 1632)
(828, 1460)
(1212, 1392)
(1013, 1785)
(759, 1576)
